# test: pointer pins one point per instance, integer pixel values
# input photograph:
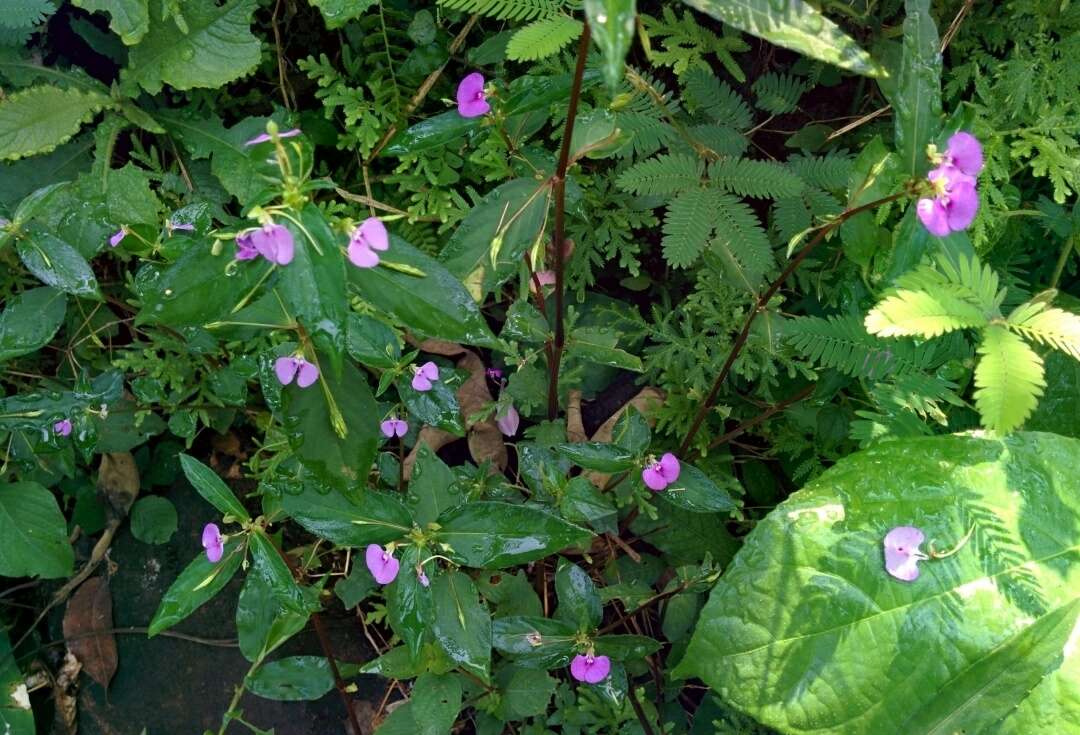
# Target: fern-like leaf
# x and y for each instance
(1054, 327)
(778, 94)
(1009, 379)
(922, 314)
(25, 13)
(664, 174)
(506, 9)
(758, 179)
(704, 93)
(741, 243)
(543, 38)
(829, 172)
(687, 226)
(842, 343)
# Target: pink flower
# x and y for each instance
(955, 201)
(394, 426)
(543, 278)
(264, 137)
(902, 554)
(471, 100)
(213, 542)
(424, 375)
(965, 153)
(288, 368)
(658, 475)
(423, 579)
(507, 419)
(370, 236)
(590, 669)
(494, 373)
(381, 563)
(118, 236)
(245, 248)
(62, 427)
(274, 242)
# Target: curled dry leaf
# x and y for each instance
(118, 481)
(575, 427)
(65, 696)
(87, 629)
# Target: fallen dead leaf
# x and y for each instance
(87, 625)
(118, 480)
(65, 696)
(436, 439)
(575, 427)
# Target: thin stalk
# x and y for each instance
(763, 301)
(560, 228)
(1063, 258)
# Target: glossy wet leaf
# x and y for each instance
(409, 605)
(212, 488)
(15, 713)
(34, 533)
(432, 487)
(437, 407)
(530, 93)
(582, 502)
(339, 461)
(612, 23)
(535, 642)
(348, 517)
(437, 130)
(795, 25)
(292, 679)
(978, 642)
(197, 584)
(30, 320)
(598, 345)
(267, 562)
(40, 409)
(631, 431)
(626, 647)
(917, 100)
(435, 304)
(57, 264)
(370, 342)
(579, 602)
(599, 456)
(462, 624)
(493, 535)
(697, 492)
(525, 323)
(261, 623)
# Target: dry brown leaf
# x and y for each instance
(436, 346)
(486, 445)
(118, 480)
(436, 439)
(65, 696)
(575, 427)
(88, 624)
(485, 440)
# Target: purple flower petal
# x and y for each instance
(421, 383)
(184, 226)
(590, 669)
(62, 427)
(117, 237)
(382, 565)
(669, 467)
(965, 152)
(430, 370)
(212, 542)
(373, 232)
(245, 249)
(471, 100)
(423, 579)
(963, 204)
(401, 427)
(902, 553)
(264, 137)
(387, 428)
(275, 243)
(933, 216)
(508, 421)
(653, 477)
(286, 368)
(307, 373)
(361, 255)
(394, 426)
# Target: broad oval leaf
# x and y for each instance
(292, 679)
(348, 517)
(599, 456)
(806, 627)
(695, 491)
(57, 264)
(493, 535)
(35, 541)
(29, 320)
(212, 488)
(197, 584)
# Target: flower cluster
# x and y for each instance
(955, 201)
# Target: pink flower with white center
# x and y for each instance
(658, 475)
(590, 669)
(471, 98)
(62, 427)
(394, 426)
(369, 236)
(424, 376)
(902, 554)
(381, 563)
(213, 542)
(287, 368)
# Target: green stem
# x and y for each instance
(1062, 260)
(235, 702)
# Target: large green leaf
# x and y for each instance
(349, 517)
(697, 492)
(579, 601)
(292, 679)
(38, 411)
(433, 132)
(261, 623)
(436, 407)
(409, 604)
(269, 564)
(534, 641)
(795, 25)
(462, 624)
(808, 633)
(57, 264)
(215, 48)
(492, 535)
(129, 19)
(337, 13)
(338, 461)
(34, 533)
(432, 489)
(15, 714)
(434, 304)
(38, 119)
(197, 584)
(612, 23)
(917, 100)
(212, 488)
(29, 320)
(1059, 407)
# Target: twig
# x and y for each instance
(283, 80)
(645, 725)
(763, 301)
(560, 227)
(750, 423)
(644, 606)
(215, 642)
(339, 683)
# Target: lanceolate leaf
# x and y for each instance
(979, 642)
(198, 583)
(57, 264)
(613, 25)
(462, 624)
(212, 488)
(349, 518)
(493, 535)
(38, 119)
(918, 92)
(796, 25)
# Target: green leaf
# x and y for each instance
(57, 264)
(543, 38)
(38, 411)
(525, 323)
(597, 345)
(129, 197)
(337, 13)
(795, 25)
(1054, 327)
(493, 535)
(923, 314)
(38, 119)
(432, 490)
(216, 48)
(523, 692)
(535, 642)
(262, 624)
(348, 517)
(1059, 407)
(613, 26)
(153, 519)
(582, 502)
(626, 647)
(437, 407)
(599, 456)
(433, 305)
(355, 588)
(292, 679)
(30, 320)
(196, 585)
(1008, 379)
(268, 564)
(917, 102)
(631, 431)
(338, 461)
(213, 488)
(20, 13)
(371, 342)
(809, 591)
(579, 602)
(505, 9)
(434, 132)
(15, 713)
(409, 604)
(435, 704)
(696, 492)
(667, 173)
(129, 19)
(487, 247)
(462, 624)
(689, 221)
(34, 532)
